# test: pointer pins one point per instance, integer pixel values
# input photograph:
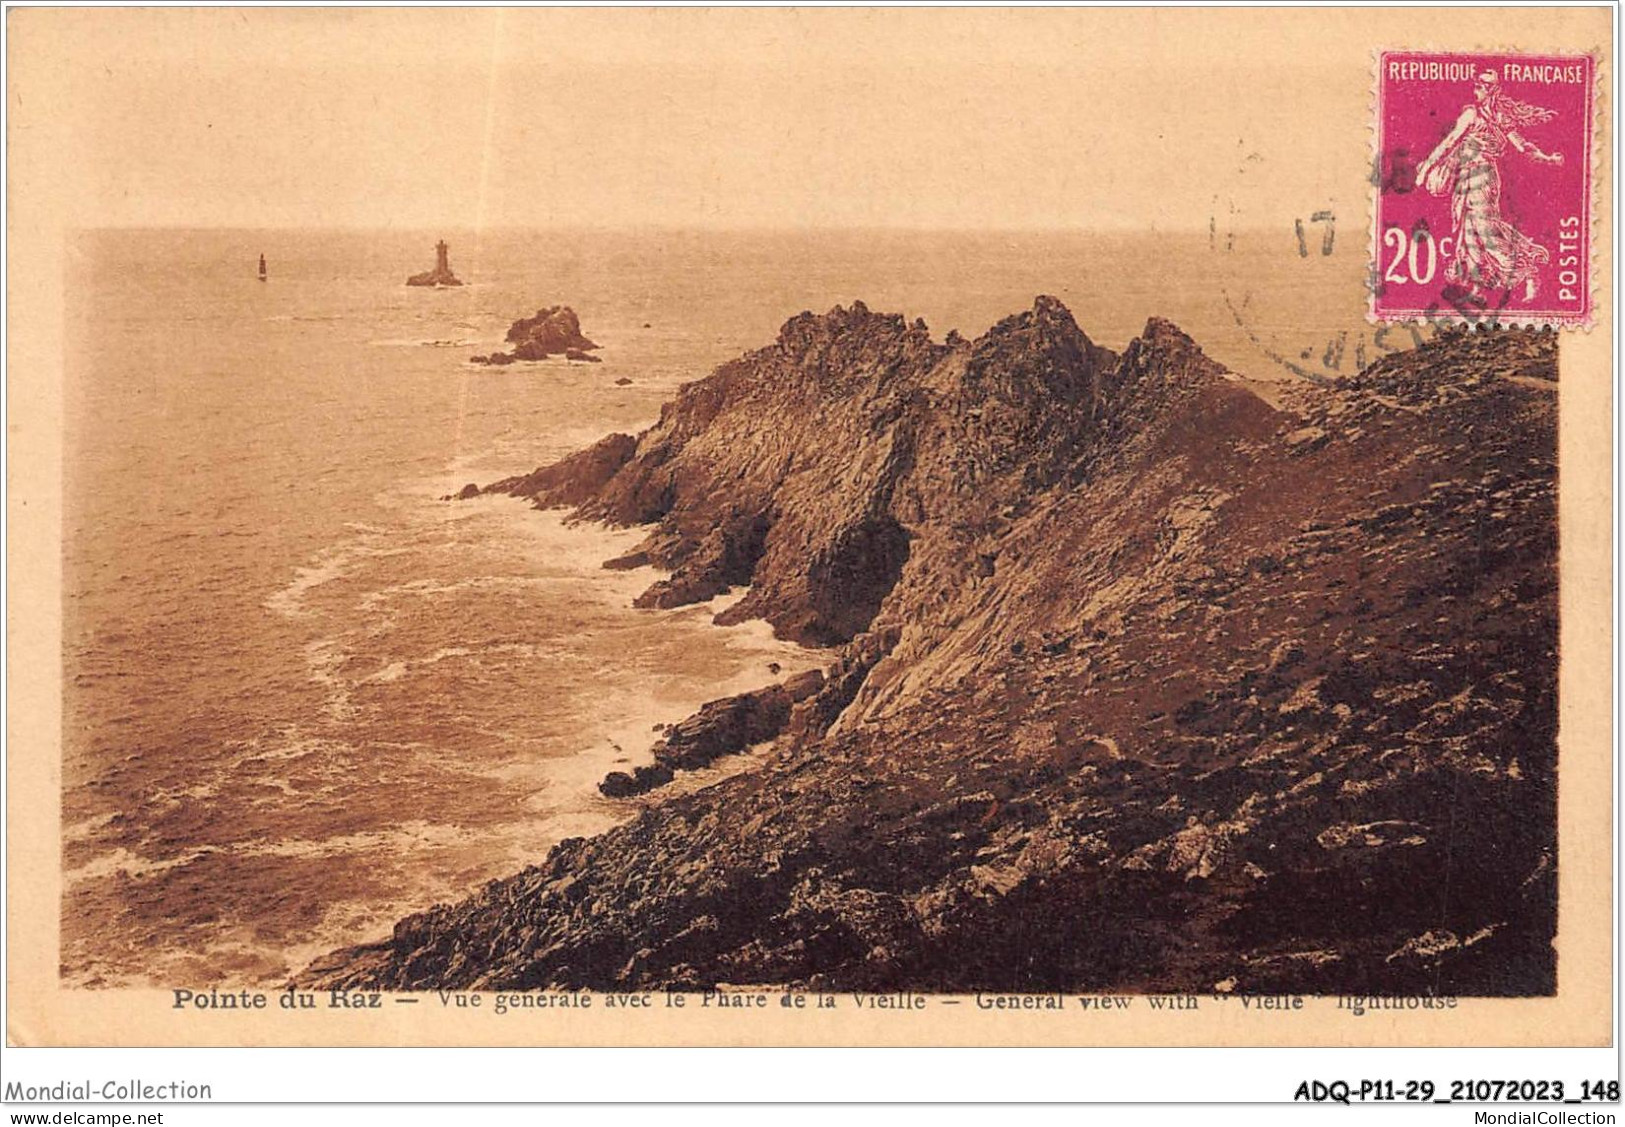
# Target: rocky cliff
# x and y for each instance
(1137, 681)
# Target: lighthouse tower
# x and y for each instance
(441, 275)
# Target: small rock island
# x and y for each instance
(441, 275)
(553, 331)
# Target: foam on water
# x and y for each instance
(412, 603)
(121, 862)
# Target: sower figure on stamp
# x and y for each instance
(1490, 255)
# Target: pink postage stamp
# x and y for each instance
(1483, 182)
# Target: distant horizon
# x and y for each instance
(683, 228)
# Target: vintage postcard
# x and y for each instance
(810, 527)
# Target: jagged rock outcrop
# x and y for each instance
(719, 728)
(1140, 682)
(554, 331)
(575, 479)
(820, 524)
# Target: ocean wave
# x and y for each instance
(330, 564)
(86, 829)
(417, 588)
(419, 833)
(289, 601)
(323, 658)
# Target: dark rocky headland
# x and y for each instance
(1137, 681)
(554, 331)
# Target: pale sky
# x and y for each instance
(720, 118)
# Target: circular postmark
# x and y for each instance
(1294, 275)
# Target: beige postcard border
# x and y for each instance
(44, 207)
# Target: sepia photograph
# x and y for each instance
(809, 526)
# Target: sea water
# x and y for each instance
(304, 695)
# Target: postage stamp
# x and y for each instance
(1483, 189)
